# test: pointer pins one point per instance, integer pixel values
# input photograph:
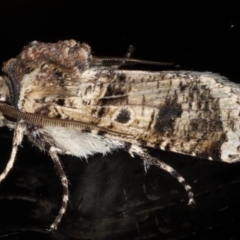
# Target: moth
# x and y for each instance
(68, 102)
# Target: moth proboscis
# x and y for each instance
(58, 91)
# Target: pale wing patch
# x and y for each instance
(81, 144)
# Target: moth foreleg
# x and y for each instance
(149, 160)
(17, 139)
(53, 153)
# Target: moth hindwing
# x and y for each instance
(59, 91)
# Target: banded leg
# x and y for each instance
(53, 153)
(149, 160)
(17, 140)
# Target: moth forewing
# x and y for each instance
(66, 104)
(184, 112)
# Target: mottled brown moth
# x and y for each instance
(68, 102)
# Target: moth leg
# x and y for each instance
(17, 139)
(53, 153)
(149, 160)
(130, 51)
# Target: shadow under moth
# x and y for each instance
(68, 102)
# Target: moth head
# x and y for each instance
(4, 97)
(4, 90)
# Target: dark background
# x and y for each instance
(111, 197)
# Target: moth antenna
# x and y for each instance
(19, 197)
(127, 60)
(17, 140)
(8, 234)
(118, 62)
(47, 121)
(149, 160)
(65, 197)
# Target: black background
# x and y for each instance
(107, 198)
